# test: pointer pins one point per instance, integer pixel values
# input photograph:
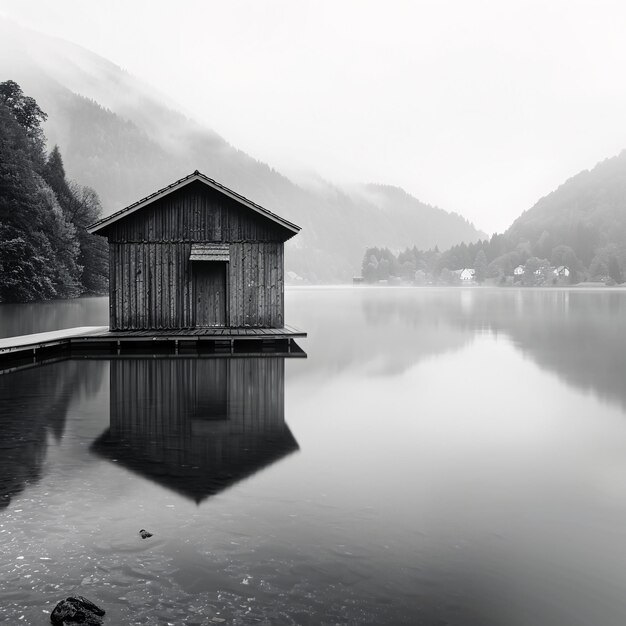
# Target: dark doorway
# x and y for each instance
(209, 402)
(210, 293)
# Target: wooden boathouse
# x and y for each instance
(195, 255)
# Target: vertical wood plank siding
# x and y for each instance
(256, 284)
(151, 279)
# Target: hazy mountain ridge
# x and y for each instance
(586, 213)
(118, 137)
(402, 204)
(595, 197)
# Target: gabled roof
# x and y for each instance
(196, 176)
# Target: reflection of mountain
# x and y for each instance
(196, 425)
(33, 406)
(381, 330)
(579, 335)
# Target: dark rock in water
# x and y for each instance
(88, 604)
(76, 610)
(145, 534)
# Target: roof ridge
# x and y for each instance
(213, 183)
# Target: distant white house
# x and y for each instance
(519, 270)
(467, 274)
(544, 271)
(561, 271)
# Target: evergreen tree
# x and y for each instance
(24, 109)
(598, 269)
(25, 250)
(615, 271)
(54, 175)
(45, 250)
(84, 210)
(65, 247)
(480, 266)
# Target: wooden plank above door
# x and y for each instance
(210, 252)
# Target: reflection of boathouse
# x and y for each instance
(196, 425)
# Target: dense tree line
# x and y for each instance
(428, 266)
(494, 260)
(45, 249)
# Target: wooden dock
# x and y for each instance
(99, 342)
(39, 341)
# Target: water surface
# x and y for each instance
(444, 456)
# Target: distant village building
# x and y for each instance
(195, 254)
(561, 271)
(519, 270)
(467, 274)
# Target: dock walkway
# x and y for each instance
(37, 341)
(88, 341)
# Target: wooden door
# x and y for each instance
(210, 293)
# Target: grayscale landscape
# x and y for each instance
(312, 313)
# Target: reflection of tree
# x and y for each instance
(196, 425)
(579, 335)
(33, 406)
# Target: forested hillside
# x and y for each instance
(126, 141)
(587, 214)
(45, 250)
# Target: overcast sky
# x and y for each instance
(478, 107)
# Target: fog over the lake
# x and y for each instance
(478, 107)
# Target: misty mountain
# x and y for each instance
(126, 140)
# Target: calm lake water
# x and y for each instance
(442, 457)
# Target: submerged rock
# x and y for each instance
(76, 610)
(145, 534)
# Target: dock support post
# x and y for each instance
(232, 346)
(289, 345)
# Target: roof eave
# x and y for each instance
(161, 193)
